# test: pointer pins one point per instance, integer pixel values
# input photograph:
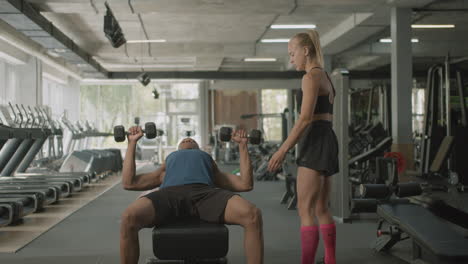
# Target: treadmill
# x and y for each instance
(40, 135)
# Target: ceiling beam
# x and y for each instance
(212, 75)
(348, 33)
(208, 7)
(380, 74)
(429, 49)
(36, 17)
(364, 62)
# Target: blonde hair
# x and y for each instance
(311, 40)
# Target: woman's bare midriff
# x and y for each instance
(325, 117)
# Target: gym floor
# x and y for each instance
(91, 235)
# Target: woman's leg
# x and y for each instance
(322, 213)
(308, 189)
(325, 219)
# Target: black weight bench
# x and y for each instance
(434, 241)
(190, 242)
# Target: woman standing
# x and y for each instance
(318, 147)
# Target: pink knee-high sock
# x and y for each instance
(329, 241)
(310, 240)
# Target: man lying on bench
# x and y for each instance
(191, 186)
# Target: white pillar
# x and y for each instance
(203, 113)
(327, 63)
(340, 202)
(402, 74)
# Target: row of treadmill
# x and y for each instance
(35, 171)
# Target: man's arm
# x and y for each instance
(244, 182)
(142, 182)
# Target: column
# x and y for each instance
(402, 73)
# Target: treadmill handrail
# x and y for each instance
(41, 117)
(33, 119)
(23, 116)
(17, 117)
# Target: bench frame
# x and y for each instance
(390, 233)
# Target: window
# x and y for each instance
(418, 102)
(185, 91)
(9, 85)
(183, 109)
(274, 101)
(119, 104)
(180, 106)
(52, 96)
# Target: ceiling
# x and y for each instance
(216, 35)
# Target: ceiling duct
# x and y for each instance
(25, 19)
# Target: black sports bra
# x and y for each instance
(323, 105)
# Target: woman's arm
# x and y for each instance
(310, 89)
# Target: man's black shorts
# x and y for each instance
(190, 201)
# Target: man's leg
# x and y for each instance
(241, 212)
(138, 215)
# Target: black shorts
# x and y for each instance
(188, 202)
(318, 148)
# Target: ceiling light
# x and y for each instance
(433, 26)
(387, 40)
(60, 50)
(259, 59)
(274, 40)
(53, 53)
(82, 65)
(108, 81)
(293, 26)
(139, 66)
(147, 41)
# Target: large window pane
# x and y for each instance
(272, 128)
(418, 98)
(182, 106)
(120, 104)
(185, 91)
(180, 125)
(274, 101)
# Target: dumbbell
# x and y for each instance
(120, 133)
(255, 135)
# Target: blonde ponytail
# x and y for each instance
(311, 39)
(315, 38)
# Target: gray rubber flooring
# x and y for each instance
(91, 235)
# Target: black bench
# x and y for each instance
(190, 242)
(434, 241)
